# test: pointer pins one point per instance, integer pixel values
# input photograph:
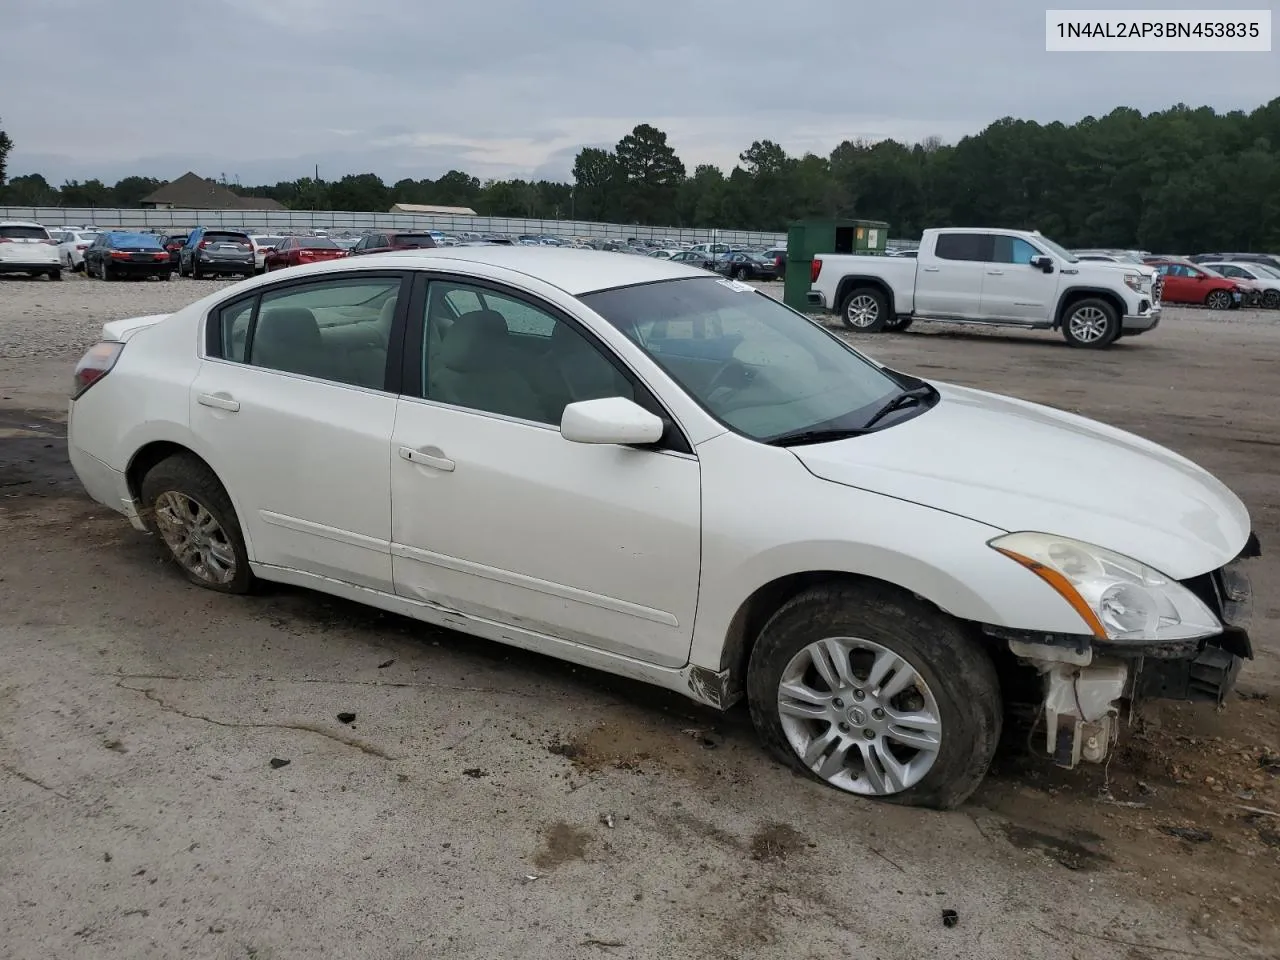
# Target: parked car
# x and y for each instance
(552, 454)
(71, 247)
(747, 266)
(779, 257)
(1265, 278)
(173, 243)
(1011, 278)
(262, 245)
(386, 241)
(665, 253)
(695, 258)
(26, 247)
(1187, 282)
(1270, 259)
(213, 252)
(296, 251)
(120, 254)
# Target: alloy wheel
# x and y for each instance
(859, 716)
(195, 537)
(862, 311)
(1088, 324)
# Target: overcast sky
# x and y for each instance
(263, 90)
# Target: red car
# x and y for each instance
(385, 242)
(1187, 282)
(295, 251)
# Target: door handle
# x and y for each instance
(929, 269)
(995, 273)
(427, 459)
(219, 401)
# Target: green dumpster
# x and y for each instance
(807, 238)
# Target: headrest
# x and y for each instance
(287, 328)
(476, 341)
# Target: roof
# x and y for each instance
(192, 192)
(576, 272)
(431, 208)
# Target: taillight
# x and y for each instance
(82, 246)
(815, 268)
(119, 255)
(160, 256)
(203, 244)
(6, 240)
(95, 365)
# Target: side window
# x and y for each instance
(508, 357)
(961, 246)
(335, 330)
(1013, 250)
(233, 324)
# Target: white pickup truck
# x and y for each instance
(1010, 278)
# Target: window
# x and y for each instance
(16, 231)
(337, 330)
(233, 323)
(495, 353)
(1013, 250)
(962, 246)
(758, 367)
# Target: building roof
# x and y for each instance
(432, 208)
(192, 192)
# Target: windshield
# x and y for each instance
(317, 243)
(758, 367)
(1057, 250)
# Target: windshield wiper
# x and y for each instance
(798, 437)
(914, 395)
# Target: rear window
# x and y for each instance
(145, 241)
(215, 237)
(317, 243)
(413, 240)
(24, 233)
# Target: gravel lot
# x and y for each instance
(141, 815)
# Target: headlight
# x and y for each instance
(1136, 282)
(1116, 596)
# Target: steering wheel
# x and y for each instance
(732, 376)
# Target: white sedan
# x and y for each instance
(71, 248)
(633, 465)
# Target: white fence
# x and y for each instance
(338, 221)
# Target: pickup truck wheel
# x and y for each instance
(865, 310)
(874, 693)
(1218, 300)
(1091, 324)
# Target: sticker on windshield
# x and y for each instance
(737, 286)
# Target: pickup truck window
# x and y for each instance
(1013, 250)
(756, 366)
(962, 246)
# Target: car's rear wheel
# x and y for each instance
(871, 691)
(865, 309)
(195, 271)
(1091, 324)
(106, 272)
(55, 274)
(187, 506)
(1218, 300)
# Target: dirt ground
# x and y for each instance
(176, 779)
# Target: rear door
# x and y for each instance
(296, 411)
(949, 281)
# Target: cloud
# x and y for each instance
(267, 90)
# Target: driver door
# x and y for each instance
(496, 515)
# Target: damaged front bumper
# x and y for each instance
(1088, 683)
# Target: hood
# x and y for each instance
(122, 330)
(1022, 466)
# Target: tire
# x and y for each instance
(55, 274)
(1091, 324)
(740, 273)
(960, 691)
(195, 270)
(105, 271)
(182, 487)
(1271, 299)
(865, 309)
(1218, 300)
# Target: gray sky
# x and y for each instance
(264, 90)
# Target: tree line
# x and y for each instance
(1182, 179)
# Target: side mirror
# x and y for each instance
(614, 420)
(1042, 263)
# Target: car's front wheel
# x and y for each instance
(187, 506)
(1092, 324)
(869, 690)
(1219, 300)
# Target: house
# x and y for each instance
(432, 209)
(191, 192)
